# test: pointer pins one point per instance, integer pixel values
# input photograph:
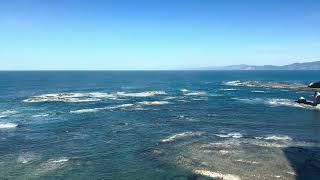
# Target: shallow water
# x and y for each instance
(157, 125)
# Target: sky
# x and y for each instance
(156, 34)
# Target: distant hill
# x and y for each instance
(296, 66)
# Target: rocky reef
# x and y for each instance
(285, 85)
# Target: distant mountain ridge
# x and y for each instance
(295, 66)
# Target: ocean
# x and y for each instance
(157, 125)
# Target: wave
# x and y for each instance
(92, 110)
(7, 113)
(121, 106)
(141, 94)
(79, 111)
(258, 91)
(199, 93)
(269, 144)
(154, 102)
(181, 135)
(68, 97)
(276, 138)
(169, 98)
(233, 135)
(215, 175)
(51, 165)
(184, 90)
(8, 125)
(228, 89)
(27, 157)
(40, 115)
(276, 102)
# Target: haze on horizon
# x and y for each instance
(157, 34)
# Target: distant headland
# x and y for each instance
(295, 66)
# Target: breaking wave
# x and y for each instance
(40, 115)
(141, 94)
(68, 97)
(276, 102)
(276, 137)
(87, 97)
(7, 113)
(27, 157)
(79, 111)
(228, 89)
(154, 102)
(181, 135)
(233, 135)
(256, 91)
(215, 175)
(8, 125)
(200, 93)
(51, 165)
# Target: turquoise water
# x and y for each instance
(156, 125)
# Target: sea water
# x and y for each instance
(157, 125)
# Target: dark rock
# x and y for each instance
(316, 100)
(314, 85)
(301, 100)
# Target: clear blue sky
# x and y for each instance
(156, 34)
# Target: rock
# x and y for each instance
(314, 85)
(301, 100)
(316, 100)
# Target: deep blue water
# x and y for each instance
(152, 124)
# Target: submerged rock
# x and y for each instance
(314, 85)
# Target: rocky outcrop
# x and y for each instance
(316, 99)
(314, 85)
(302, 100)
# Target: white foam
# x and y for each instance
(27, 157)
(276, 102)
(92, 110)
(51, 165)
(269, 144)
(228, 89)
(184, 90)
(224, 152)
(233, 83)
(169, 98)
(181, 135)
(199, 93)
(154, 102)
(122, 106)
(7, 113)
(233, 135)
(230, 143)
(278, 137)
(69, 97)
(256, 91)
(79, 111)
(61, 160)
(216, 174)
(40, 115)
(141, 94)
(8, 125)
